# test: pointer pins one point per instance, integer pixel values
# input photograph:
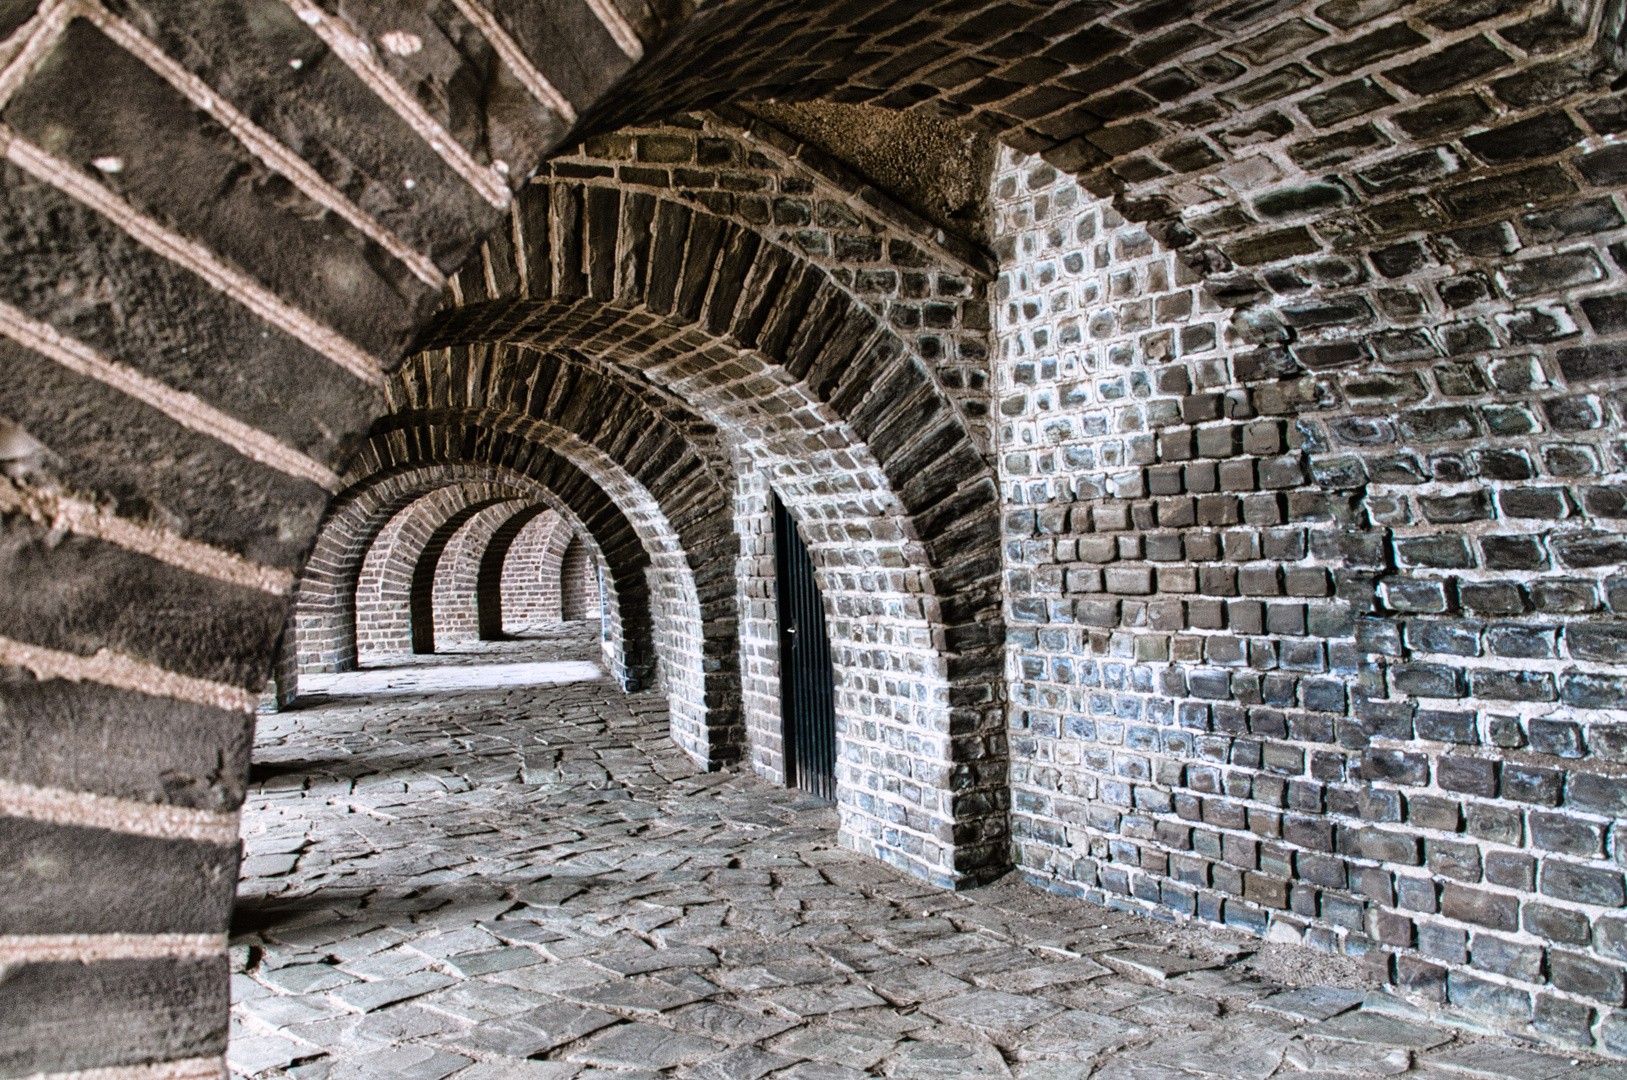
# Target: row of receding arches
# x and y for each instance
(460, 563)
(649, 377)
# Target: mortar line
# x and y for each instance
(192, 256)
(184, 408)
(359, 56)
(261, 144)
(533, 80)
(49, 23)
(85, 519)
(90, 811)
(610, 16)
(187, 1069)
(92, 948)
(109, 668)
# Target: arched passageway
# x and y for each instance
(455, 603)
(1297, 411)
(659, 296)
(519, 580)
(388, 606)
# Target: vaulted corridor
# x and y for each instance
(491, 863)
(1201, 433)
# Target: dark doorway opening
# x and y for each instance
(807, 682)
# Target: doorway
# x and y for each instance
(807, 681)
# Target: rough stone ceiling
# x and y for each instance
(938, 168)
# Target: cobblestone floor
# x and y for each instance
(482, 866)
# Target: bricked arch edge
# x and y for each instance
(577, 589)
(646, 284)
(385, 621)
(454, 607)
(326, 606)
(421, 594)
(609, 426)
(773, 348)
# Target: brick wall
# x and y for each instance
(578, 583)
(415, 553)
(818, 387)
(1311, 561)
(759, 625)
(530, 578)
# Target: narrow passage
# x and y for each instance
(493, 864)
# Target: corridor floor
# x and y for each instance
(489, 865)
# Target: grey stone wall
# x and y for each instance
(1312, 553)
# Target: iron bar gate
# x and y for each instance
(807, 681)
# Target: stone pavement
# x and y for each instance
(478, 865)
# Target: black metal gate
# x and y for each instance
(807, 683)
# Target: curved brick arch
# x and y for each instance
(674, 631)
(456, 600)
(643, 451)
(1165, 108)
(682, 299)
(362, 529)
(421, 596)
(325, 607)
(829, 403)
(385, 621)
(578, 590)
(519, 569)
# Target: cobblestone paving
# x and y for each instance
(480, 866)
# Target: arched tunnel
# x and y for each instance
(1191, 434)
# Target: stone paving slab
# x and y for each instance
(486, 866)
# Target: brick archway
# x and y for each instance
(172, 208)
(824, 398)
(578, 591)
(385, 616)
(456, 591)
(519, 568)
(325, 613)
(421, 599)
(664, 626)
(655, 458)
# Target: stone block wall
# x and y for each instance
(930, 286)
(759, 626)
(1312, 557)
